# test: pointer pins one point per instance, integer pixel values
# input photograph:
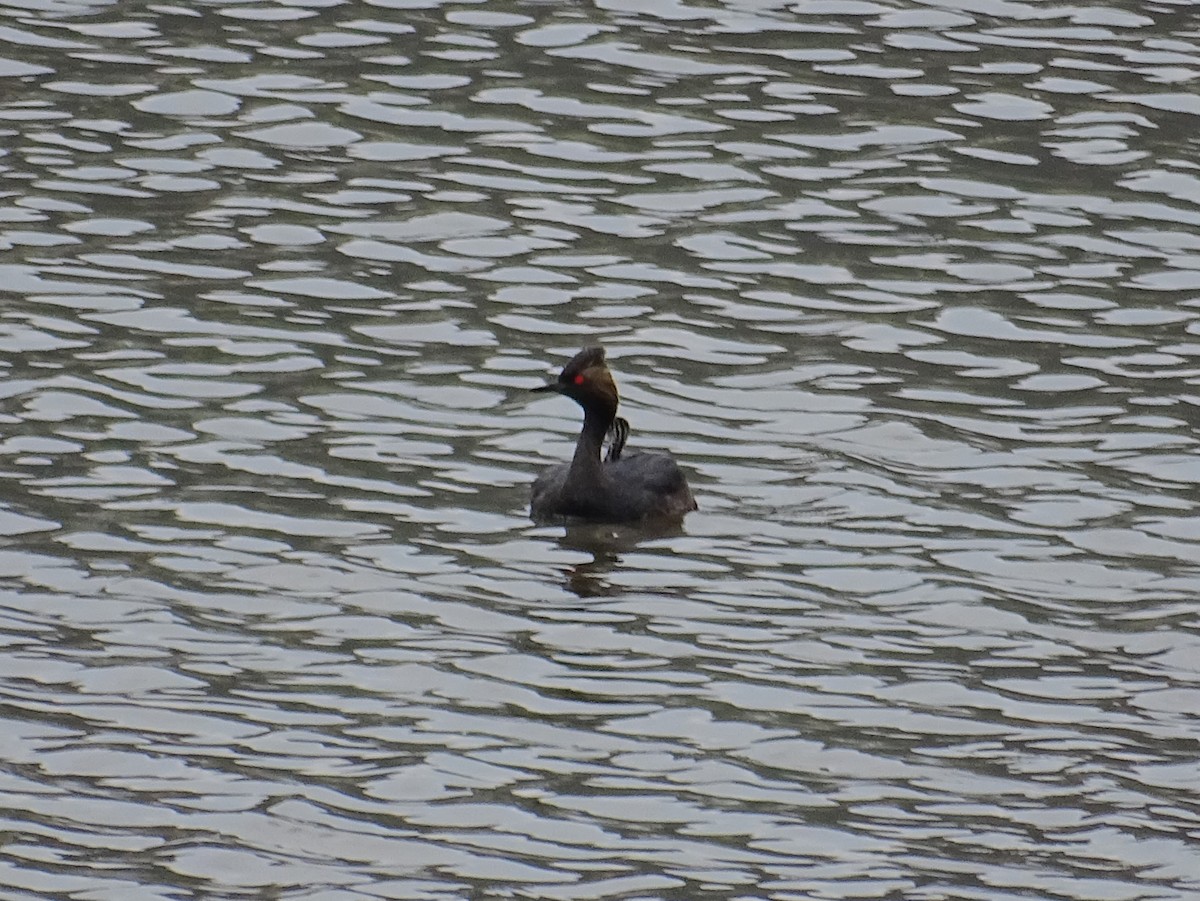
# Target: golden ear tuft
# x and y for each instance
(601, 379)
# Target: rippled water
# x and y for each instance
(911, 291)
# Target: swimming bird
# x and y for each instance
(623, 487)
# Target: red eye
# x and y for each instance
(579, 380)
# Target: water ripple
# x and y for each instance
(908, 291)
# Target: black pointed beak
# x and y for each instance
(542, 389)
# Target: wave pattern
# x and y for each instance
(911, 291)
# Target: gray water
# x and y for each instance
(910, 290)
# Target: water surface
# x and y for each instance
(910, 291)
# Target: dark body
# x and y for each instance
(637, 486)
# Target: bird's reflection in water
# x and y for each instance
(606, 543)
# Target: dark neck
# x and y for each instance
(585, 465)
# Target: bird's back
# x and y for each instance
(634, 487)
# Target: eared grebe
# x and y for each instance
(621, 488)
